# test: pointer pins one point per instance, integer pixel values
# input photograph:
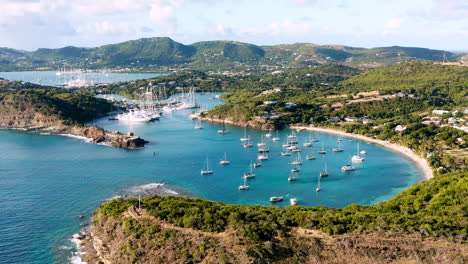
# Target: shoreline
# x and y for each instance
(420, 162)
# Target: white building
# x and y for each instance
(440, 112)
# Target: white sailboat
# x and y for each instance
(348, 167)
(224, 161)
(318, 185)
(285, 153)
(257, 164)
(198, 125)
(263, 156)
(244, 187)
(277, 138)
(275, 199)
(248, 144)
(250, 174)
(310, 157)
(338, 149)
(206, 170)
(298, 160)
(308, 143)
(261, 144)
(322, 151)
(357, 158)
(268, 135)
(244, 138)
(324, 173)
(292, 176)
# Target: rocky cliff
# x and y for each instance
(138, 237)
(14, 115)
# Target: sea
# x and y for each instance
(48, 181)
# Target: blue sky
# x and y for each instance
(439, 24)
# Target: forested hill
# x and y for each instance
(154, 53)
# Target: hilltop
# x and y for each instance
(163, 53)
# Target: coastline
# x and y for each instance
(420, 162)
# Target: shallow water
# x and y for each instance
(47, 181)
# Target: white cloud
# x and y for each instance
(303, 2)
(105, 28)
(395, 23)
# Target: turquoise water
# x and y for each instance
(47, 181)
(51, 79)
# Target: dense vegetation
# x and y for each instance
(71, 106)
(163, 53)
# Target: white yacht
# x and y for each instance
(250, 174)
(318, 185)
(363, 152)
(244, 187)
(275, 199)
(295, 170)
(357, 158)
(277, 138)
(261, 144)
(348, 167)
(292, 176)
(198, 125)
(257, 164)
(206, 170)
(224, 161)
(298, 160)
(268, 135)
(322, 151)
(293, 201)
(338, 149)
(263, 156)
(285, 153)
(324, 173)
(245, 137)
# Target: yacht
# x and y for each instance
(318, 185)
(338, 149)
(295, 170)
(363, 152)
(310, 157)
(245, 138)
(296, 150)
(277, 137)
(293, 201)
(324, 173)
(257, 164)
(292, 176)
(250, 174)
(268, 135)
(285, 153)
(244, 187)
(322, 151)
(206, 170)
(263, 156)
(261, 144)
(248, 144)
(275, 199)
(307, 143)
(298, 160)
(224, 161)
(263, 150)
(224, 130)
(357, 158)
(198, 125)
(348, 167)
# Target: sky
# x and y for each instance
(438, 24)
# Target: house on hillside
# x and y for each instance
(351, 119)
(335, 119)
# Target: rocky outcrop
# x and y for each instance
(138, 237)
(26, 118)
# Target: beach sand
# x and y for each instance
(420, 162)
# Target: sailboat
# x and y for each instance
(314, 139)
(263, 156)
(348, 167)
(244, 186)
(244, 138)
(310, 157)
(318, 185)
(298, 160)
(224, 161)
(277, 137)
(357, 158)
(322, 151)
(257, 164)
(248, 144)
(292, 176)
(206, 170)
(250, 174)
(261, 144)
(275, 199)
(223, 131)
(198, 125)
(338, 149)
(324, 173)
(307, 143)
(285, 153)
(268, 135)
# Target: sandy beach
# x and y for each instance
(420, 162)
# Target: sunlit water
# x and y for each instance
(50, 78)
(47, 181)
